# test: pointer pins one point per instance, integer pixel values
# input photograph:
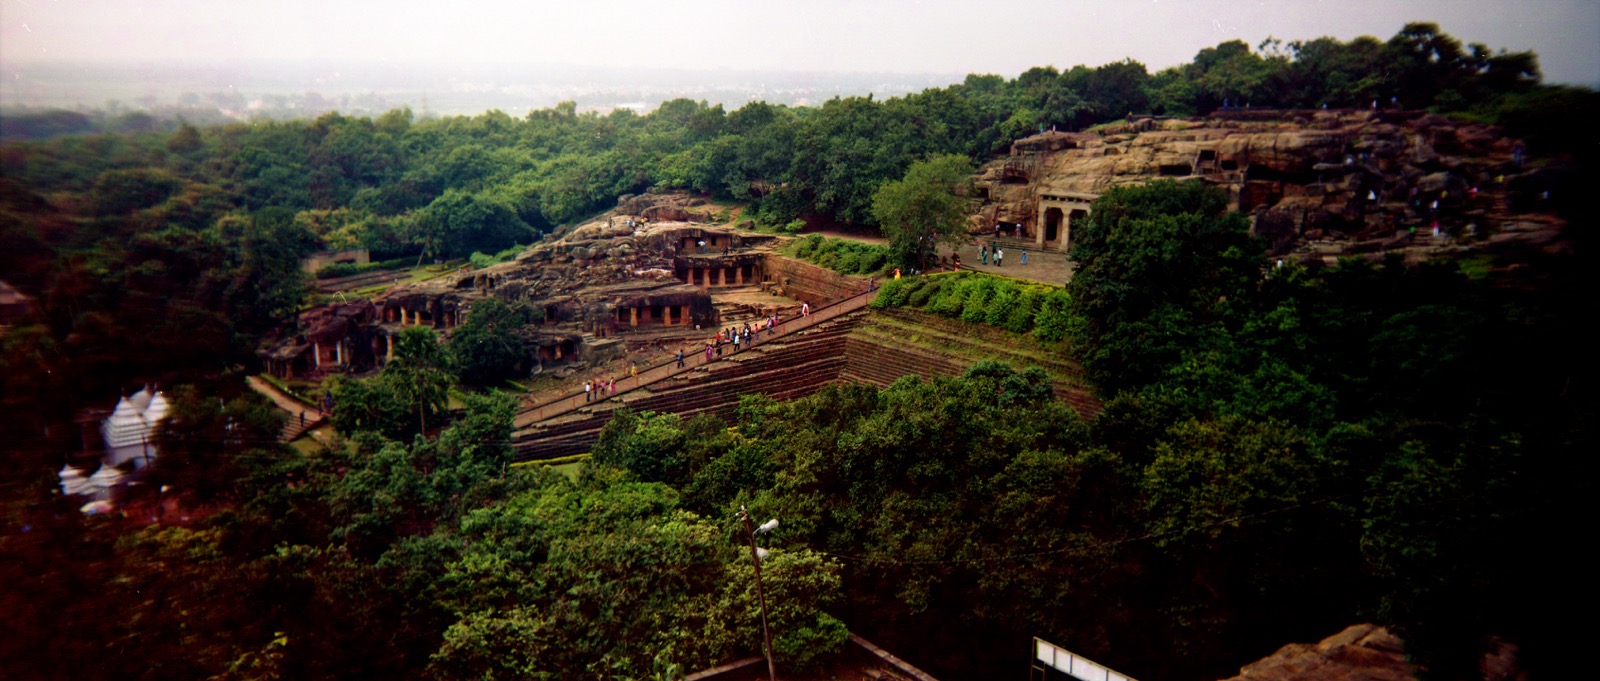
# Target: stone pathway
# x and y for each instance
(293, 428)
(1046, 267)
(573, 400)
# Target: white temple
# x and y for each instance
(131, 428)
(129, 435)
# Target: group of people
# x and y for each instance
(597, 389)
(988, 252)
(738, 337)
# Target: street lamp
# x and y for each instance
(755, 558)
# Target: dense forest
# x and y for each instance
(1283, 450)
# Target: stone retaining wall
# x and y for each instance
(804, 281)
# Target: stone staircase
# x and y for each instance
(293, 429)
(847, 343)
(786, 367)
(292, 408)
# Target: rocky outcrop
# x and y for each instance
(1367, 652)
(1363, 652)
(591, 283)
(1317, 183)
(666, 207)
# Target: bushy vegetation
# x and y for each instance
(1016, 306)
(346, 269)
(840, 255)
(481, 260)
(1281, 452)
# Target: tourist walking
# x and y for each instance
(805, 309)
(588, 396)
(1024, 256)
(998, 254)
(680, 358)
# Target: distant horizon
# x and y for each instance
(447, 89)
(819, 46)
(452, 89)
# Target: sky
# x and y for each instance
(888, 36)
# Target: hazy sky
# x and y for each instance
(906, 36)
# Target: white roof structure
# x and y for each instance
(125, 426)
(157, 410)
(141, 399)
(72, 481)
(128, 431)
(99, 485)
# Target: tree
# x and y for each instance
(924, 209)
(1162, 268)
(487, 348)
(459, 223)
(420, 373)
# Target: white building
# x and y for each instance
(130, 430)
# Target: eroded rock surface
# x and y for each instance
(1317, 184)
(1363, 652)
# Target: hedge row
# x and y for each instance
(341, 269)
(841, 255)
(976, 297)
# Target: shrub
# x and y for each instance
(840, 255)
(846, 262)
(1019, 319)
(1000, 303)
(912, 286)
(336, 270)
(871, 260)
(952, 296)
(1051, 322)
(974, 307)
(919, 298)
(808, 247)
(889, 295)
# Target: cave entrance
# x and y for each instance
(1052, 224)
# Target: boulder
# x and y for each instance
(1363, 652)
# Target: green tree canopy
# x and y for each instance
(1161, 269)
(487, 348)
(925, 208)
(420, 373)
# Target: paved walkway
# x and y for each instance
(1047, 267)
(294, 427)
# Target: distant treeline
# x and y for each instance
(176, 213)
(1282, 451)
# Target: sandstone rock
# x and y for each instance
(1363, 652)
(1361, 167)
(1437, 182)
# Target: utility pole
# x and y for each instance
(755, 558)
